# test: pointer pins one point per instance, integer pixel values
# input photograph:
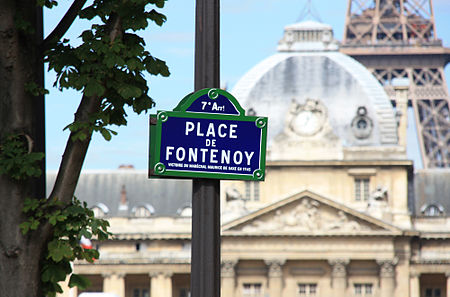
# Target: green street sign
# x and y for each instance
(208, 136)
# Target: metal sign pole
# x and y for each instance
(205, 260)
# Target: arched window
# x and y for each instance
(185, 211)
(100, 210)
(432, 210)
(145, 210)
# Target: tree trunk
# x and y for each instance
(19, 65)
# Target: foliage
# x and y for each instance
(110, 62)
(33, 89)
(16, 159)
(69, 223)
(108, 67)
(47, 3)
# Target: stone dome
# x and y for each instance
(303, 71)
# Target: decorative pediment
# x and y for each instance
(308, 213)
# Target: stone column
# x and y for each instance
(228, 277)
(339, 276)
(401, 87)
(73, 292)
(67, 292)
(167, 276)
(275, 275)
(387, 277)
(161, 284)
(447, 274)
(414, 285)
(114, 283)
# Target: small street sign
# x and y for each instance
(208, 136)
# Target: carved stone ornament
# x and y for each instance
(168, 274)
(338, 267)
(275, 267)
(380, 194)
(165, 273)
(118, 275)
(362, 125)
(307, 135)
(305, 119)
(228, 268)
(232, 193)
(153, 274)
(387, 267)
(307, 216)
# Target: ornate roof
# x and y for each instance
(105, 188)
(307, 36)
(303, 70)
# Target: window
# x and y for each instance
(137, 292)
(185, 211)
(252, 290)
(433, 292)
(100, 210)
(252, 190)
(363, 289)
(432, 210)
(361, 189)
(307, 290)
(185, 292)
(143, 210)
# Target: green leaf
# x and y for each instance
(52, 220)
(30, 204)
(158, 3)
(25, 227)
(85, 233)
(87, 35)
(142, 103)
(129, 91)
(59, 250)
(106, 134)
(34, 224)
(79, 281)
(157, 17)
(16, 161)
(54, 273)
(94, 88)
(80, 135)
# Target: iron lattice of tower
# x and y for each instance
(397, 39)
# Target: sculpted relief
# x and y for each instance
(305, 119)
(307, 134)
(308, 215)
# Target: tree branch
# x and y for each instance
(64, 24)
(75, 152)
(115, 27)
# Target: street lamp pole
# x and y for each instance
(205, 260)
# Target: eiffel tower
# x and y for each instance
(397, 39)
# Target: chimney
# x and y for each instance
(123, 206)
(401, 86)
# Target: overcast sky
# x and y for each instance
(250, 30)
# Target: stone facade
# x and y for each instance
(336, 215)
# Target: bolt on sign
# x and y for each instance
(208, 135)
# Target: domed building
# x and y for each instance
(337, 214)
(331, 214)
